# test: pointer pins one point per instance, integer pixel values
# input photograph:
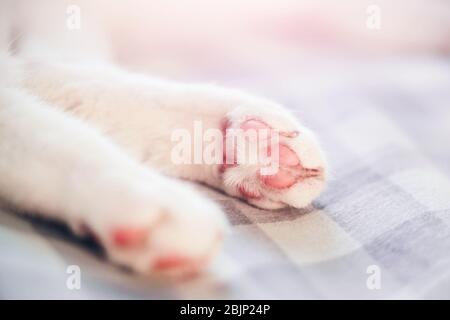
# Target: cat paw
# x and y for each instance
(165, 229)
(279, 164)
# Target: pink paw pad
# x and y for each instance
(129, 237)
(286, 176)
(290, 169)
(178, 261)
(170, 262)
(286, 157)
(281, 180)
(249, 194)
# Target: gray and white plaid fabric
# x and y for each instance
(387, 135)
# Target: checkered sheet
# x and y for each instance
(386, 130)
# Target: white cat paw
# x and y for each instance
(157, 228)
(297, 175)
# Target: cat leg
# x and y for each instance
(56, 166)
(144, 115)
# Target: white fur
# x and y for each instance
(88, 143)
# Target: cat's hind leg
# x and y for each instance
(58, 167)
